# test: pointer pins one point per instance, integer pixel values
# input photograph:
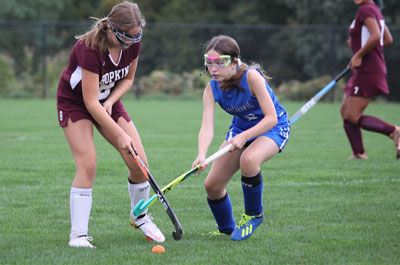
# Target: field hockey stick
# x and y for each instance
(142, 205)
(317, 96)
(177, 234)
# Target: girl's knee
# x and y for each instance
(87, 167)
(352, 118)
(213, 190)
(343, 112)
(208, 185)
(249, 163)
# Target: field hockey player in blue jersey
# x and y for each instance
(260, 129)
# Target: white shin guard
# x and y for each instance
(137, 192)
(80, 207)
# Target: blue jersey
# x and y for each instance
(245, 108)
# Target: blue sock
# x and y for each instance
(252, 193)
(222, 211)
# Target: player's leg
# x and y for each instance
(218, 199)
(259, 151)
(374, 124)
(79, 135)
(139, 188)
(395, 136)
(352, 108)
(356, 107)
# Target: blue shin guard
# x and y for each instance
(222, 211)
(252, 193)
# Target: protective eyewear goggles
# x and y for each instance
(125, 38)
(221, 61)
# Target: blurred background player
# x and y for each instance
(368, 35)
(100, 71)
(260, 129)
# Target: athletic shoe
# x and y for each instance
(81, 242)
(395, 136)
(246, 226)
(148, 228)
(215, 233)
(363, 156)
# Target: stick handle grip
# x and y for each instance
(343, 73)
(218, 154)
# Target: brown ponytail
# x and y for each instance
(124, 16)
(226, 45)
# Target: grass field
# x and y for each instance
(319, 207)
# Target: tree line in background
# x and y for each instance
(293, 40)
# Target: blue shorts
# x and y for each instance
(279, 134)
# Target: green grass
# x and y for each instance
(319, 207)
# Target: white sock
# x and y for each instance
(137, 192)
(80, 206)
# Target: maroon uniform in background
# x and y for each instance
(70, 102)
(370, 78)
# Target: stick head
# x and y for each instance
(177, 235)
(141, 206)
(138, 208)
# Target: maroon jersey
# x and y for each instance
(373, 61)
(370, 78)
(69, 92)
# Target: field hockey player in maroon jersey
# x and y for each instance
(100, 71)
(368, 36)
